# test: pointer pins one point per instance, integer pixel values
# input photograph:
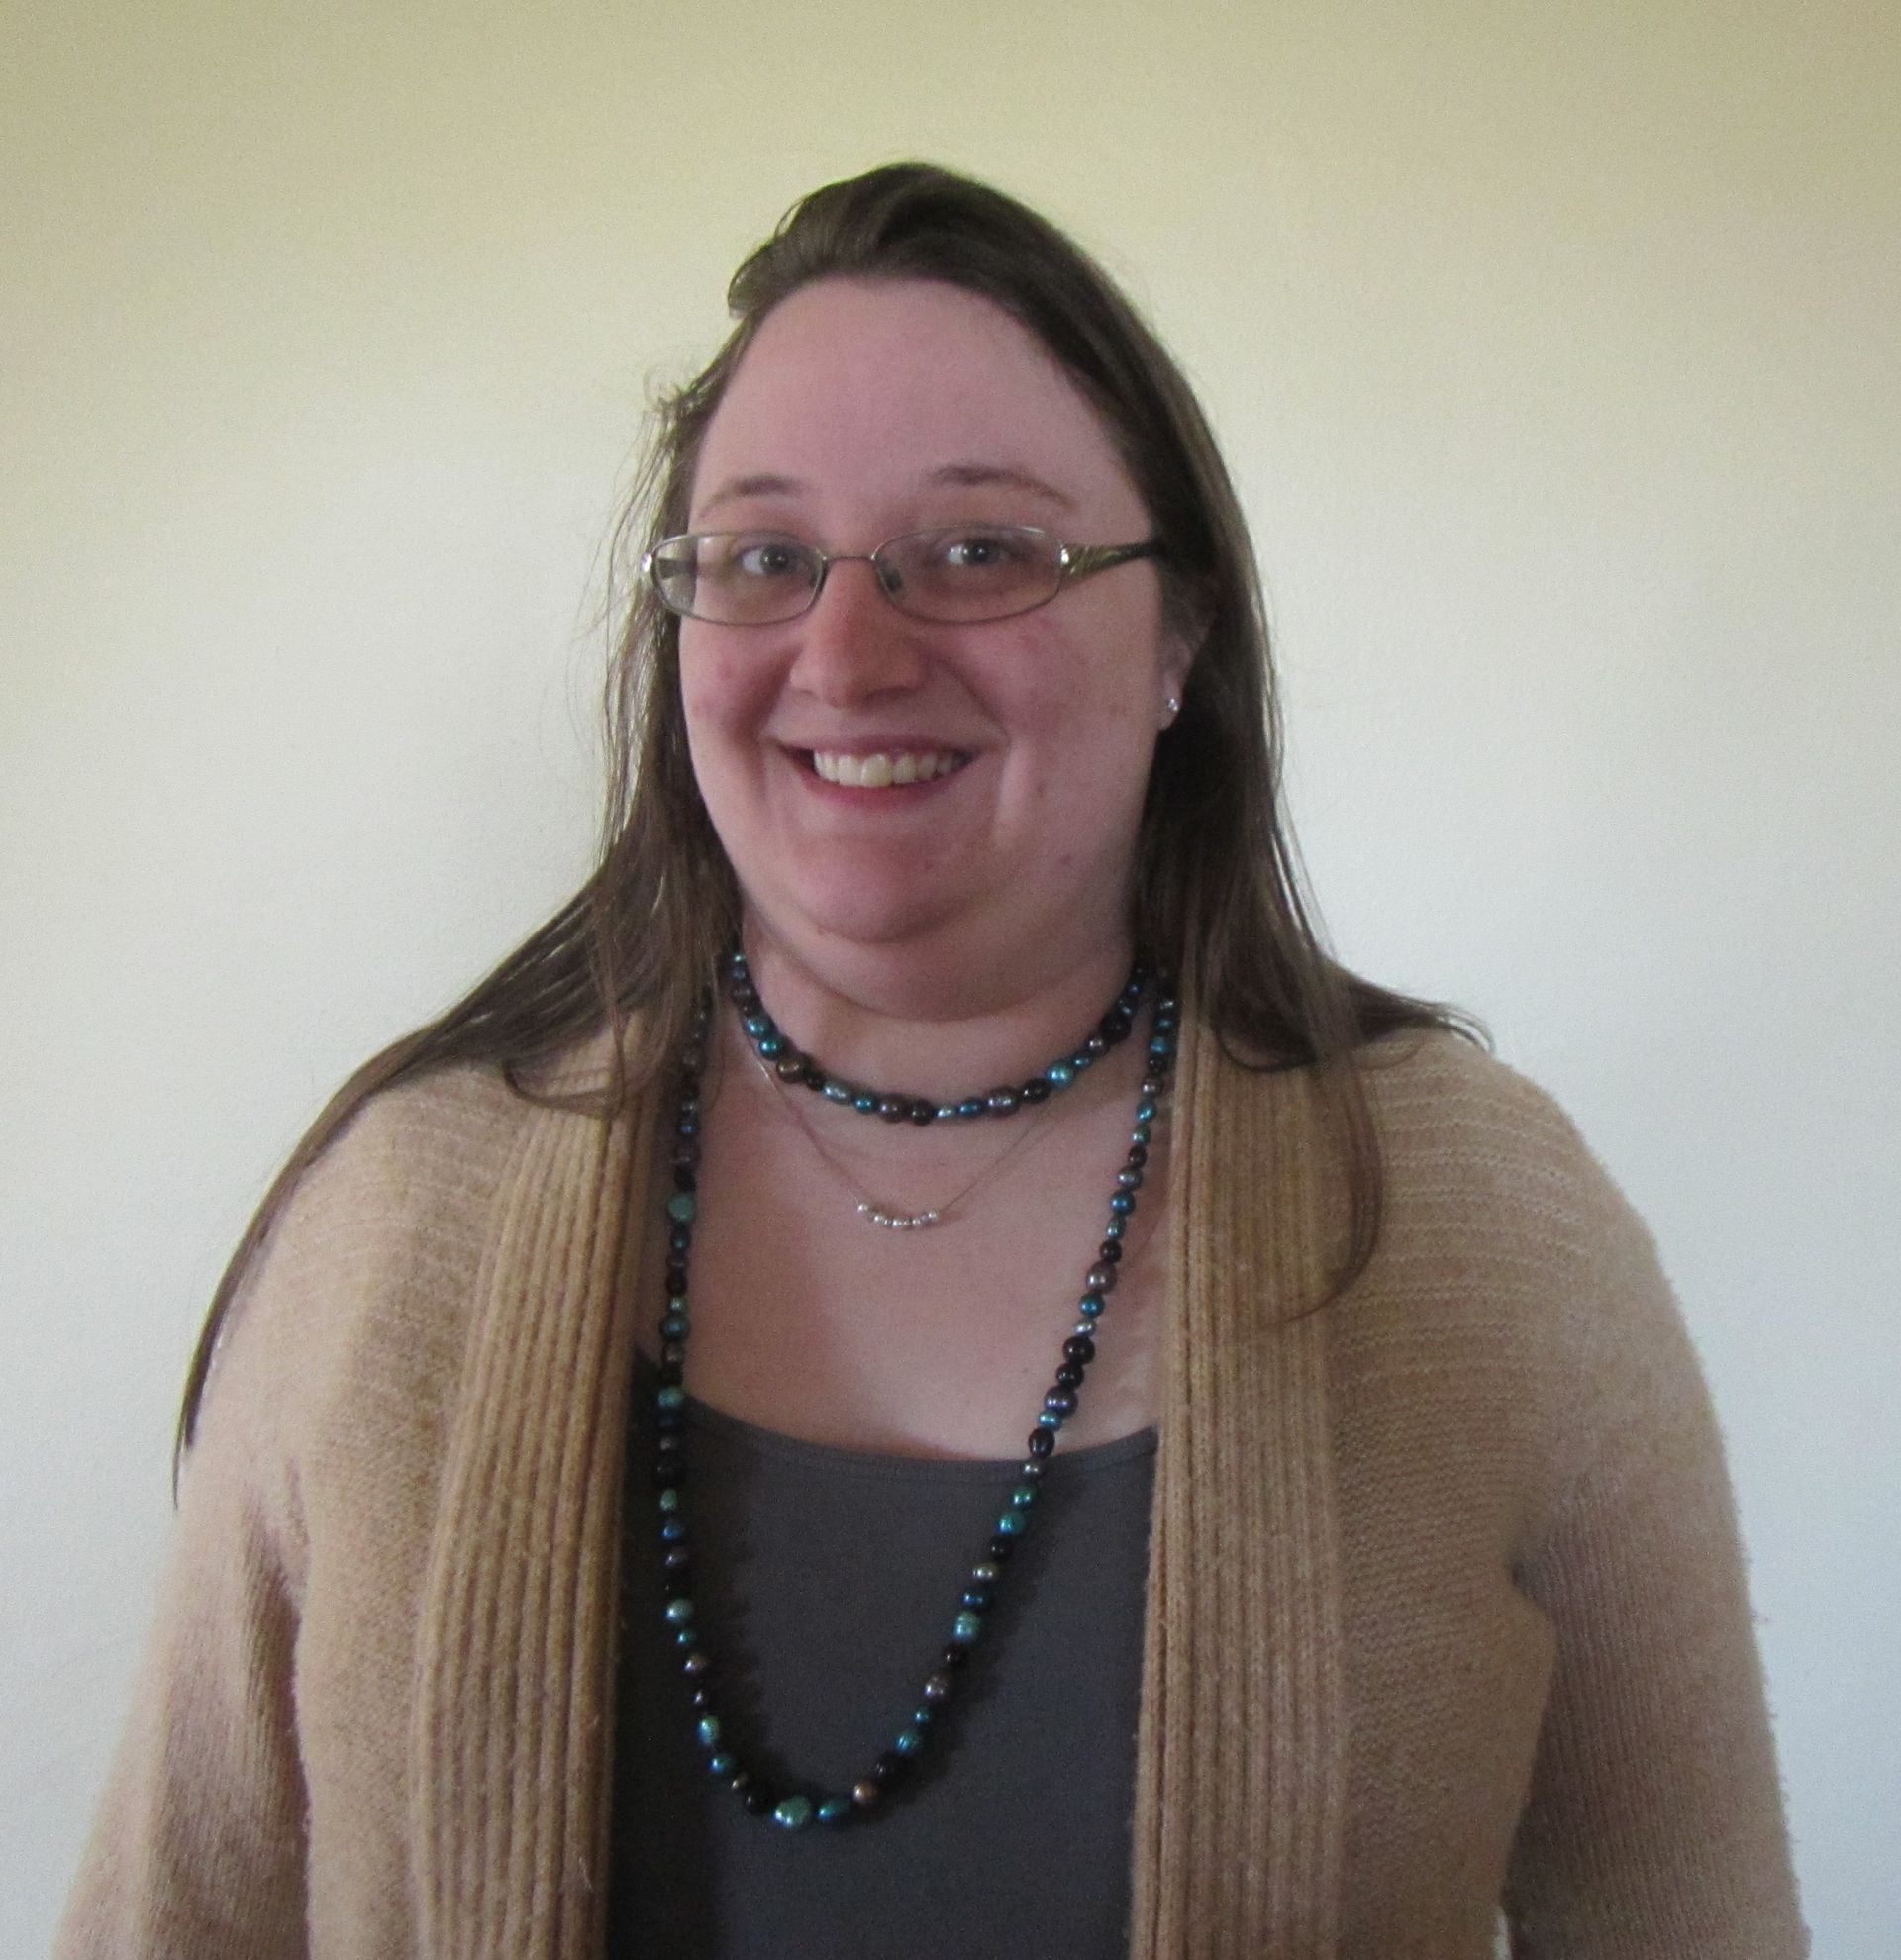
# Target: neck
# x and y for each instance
(893, 1019)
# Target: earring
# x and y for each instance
(1174, 706)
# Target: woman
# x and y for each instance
(1180, 1453)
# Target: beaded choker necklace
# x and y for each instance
(774, 1048)
(796, 1809)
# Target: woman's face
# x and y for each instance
(863, 411)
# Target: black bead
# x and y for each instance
(1102, 1278)
(1138, 1155)
(1032, 1472)
(1079, 1347)
(986, 1572)
(867, 1794)
(937, 1688)
(923, 1113)
(977, 1598)
(1068, 1376)
(1042, 1441)
(1060, 1402)
(701, 1698)
(756, 1800)
(1036, 1090)
(888, 1769)
(1002, 1102)
(697, 1662)
(677, 1558)
(954, 1657)
(894, 1109)
(1095, 1047)
(1001, 1546)
(669, 1471)
(1109, 1252)
(790, 1068)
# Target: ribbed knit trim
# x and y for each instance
(1241, 1798)
(509, 1750)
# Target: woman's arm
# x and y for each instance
(198, 1847)
(1655, 1829)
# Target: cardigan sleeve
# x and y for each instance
(197, 1848)
(1655, 1828)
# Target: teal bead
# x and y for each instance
(679, 1610)
(792, 1812)
(719, 1763)
(1145, 1111)
(910, 1741)
(670, 1500)
(1024, 1494)
(673, 1327)
(1060, 1073)
(673, 1529)
(947, 1112)
(686, 1637)
(671, 1397)
(1090, 1305)
(1114, 1229)
(1046, 1421)
(709, 1730)
(681, 1207)
(758, 1024)
(865, 1100)
(1140, 1133)
(833, 1810)
(921, 1718)
(1012, 1524)
(966, 1627)
(1122, 1204)
(972, 1105)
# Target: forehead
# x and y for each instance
(862, 389)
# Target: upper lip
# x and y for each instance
(893, 744)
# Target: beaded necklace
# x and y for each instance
(791, 1064)
(793, 1809)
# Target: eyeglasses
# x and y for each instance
(962, 574)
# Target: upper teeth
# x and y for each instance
(881, 771)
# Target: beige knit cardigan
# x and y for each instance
(1445, 1603)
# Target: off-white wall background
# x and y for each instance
(1557, 350)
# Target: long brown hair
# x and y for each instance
(1218, 887)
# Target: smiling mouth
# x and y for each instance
(891, 769)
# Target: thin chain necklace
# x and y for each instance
(889, 1217)
(789, 1063)
(793, 1809)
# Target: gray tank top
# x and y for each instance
(825, 1580)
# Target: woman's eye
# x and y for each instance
(769, 557)
(978, 551)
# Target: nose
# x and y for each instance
(853, 644)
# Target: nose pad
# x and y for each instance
(852, 642)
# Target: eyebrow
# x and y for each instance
(955, 475)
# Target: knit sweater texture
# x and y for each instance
(1444, 1607)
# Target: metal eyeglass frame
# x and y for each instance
(1073, 562)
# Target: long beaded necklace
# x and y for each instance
(794, 1810)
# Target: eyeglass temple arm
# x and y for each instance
(1080, 561)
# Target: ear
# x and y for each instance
(1179, 649)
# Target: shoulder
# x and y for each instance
(1463, 1136)
(359, 1293)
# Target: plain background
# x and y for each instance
(1557, 353)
